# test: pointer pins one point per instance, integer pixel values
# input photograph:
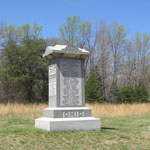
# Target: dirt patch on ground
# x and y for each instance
(146, 134)
(110, 142)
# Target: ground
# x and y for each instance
(130, 132)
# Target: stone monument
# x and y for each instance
(66, 109)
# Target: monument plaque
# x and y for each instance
(66, 109)
(70, 82)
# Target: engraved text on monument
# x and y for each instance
(70, 82)
(52, 80)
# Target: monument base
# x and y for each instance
(66, 112)
(68, 124)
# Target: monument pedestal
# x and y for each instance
(67, 119)
(66, 109)
(66, 112)
(68, 124)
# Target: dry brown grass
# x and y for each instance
(119, 109)
(21, 108)
(97, 109)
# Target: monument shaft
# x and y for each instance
(66, 82)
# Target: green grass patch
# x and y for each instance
(17, 132)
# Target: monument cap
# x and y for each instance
(65, 51)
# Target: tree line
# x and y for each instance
(118, 69)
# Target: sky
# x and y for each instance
(51, 14)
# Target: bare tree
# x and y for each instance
(103, 61)
(53, 41)
(2, 35)
(69, 30)
(142, 51)
(87, 40)
(117, 37)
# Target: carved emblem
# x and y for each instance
(72, 49)
(52, 70)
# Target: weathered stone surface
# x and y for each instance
(67, 124)
(65, 51)
(73, 50)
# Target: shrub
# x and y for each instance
(131, 94)
(93, 91)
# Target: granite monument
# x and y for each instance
(66, 109)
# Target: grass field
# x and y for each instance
(124, 127)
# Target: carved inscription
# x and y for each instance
(52, 80)
(52, 87)
(72, 49)
(52, 70)
(68, 114)
(70, 82)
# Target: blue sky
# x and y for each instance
(134, 14)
